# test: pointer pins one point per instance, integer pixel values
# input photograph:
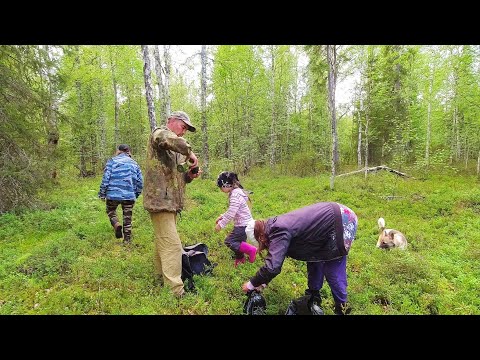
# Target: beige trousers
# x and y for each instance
(168, 250)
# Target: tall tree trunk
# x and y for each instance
(117, 105)
(466, 153)
(359, 117)
(455, 135)
(203, 99)
(161, 87)
(78, 85)
(332, 83)
(295, 83)
(148, 88)
(368, 107)
(429, 111)
(168, 65)
(102, 128)
(272, 126)
(478, 163)
(50, 114)
(367, 121)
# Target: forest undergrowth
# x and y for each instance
(65, 259)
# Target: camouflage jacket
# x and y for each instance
(164, 185)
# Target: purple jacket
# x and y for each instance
(311, 233)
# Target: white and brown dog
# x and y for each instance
(390, 238)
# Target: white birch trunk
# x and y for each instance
(367, 112)
(117, 105)
(148, 88)
(332, 82)
(102, 127)
(161, 88)
(272, 96)
(478, 163)
(203, 101)
(166, 55)
(429, 110)
(359, 143)
(466, 154)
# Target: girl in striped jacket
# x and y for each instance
(240, 213)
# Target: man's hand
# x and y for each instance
(218, 219)
(193, 159)
(192, 175)
(217, 228)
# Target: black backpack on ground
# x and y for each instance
(255, 303)
(195, 262)
(304, 305)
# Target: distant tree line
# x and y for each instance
(63, 109)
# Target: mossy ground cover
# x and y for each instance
(65, 259)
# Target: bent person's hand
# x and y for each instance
(245, 287)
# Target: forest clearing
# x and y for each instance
(403, 145)
(66, 259)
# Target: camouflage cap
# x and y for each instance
(181, 115)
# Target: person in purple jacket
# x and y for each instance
(320, 234)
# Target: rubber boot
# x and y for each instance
(248, 249)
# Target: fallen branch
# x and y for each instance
(377, 168)
(391, 197)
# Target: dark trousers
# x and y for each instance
(127, 208)
(335, 272)
(234, 239)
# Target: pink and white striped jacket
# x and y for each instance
(238, 209)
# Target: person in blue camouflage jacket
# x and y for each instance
(122, 184)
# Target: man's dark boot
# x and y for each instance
(118, 230)
(342, 309)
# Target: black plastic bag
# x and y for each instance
(304, 305)
(195, 262)
(255, 303)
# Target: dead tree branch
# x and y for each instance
(377, 168)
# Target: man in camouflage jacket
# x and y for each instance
(164, 191)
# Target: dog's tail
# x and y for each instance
(381, 224)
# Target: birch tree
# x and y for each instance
(148, 88)
(332, 83)
(115, 94)
(161, 87)
(168, 66)
(203, 104)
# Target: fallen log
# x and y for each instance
(376, 168)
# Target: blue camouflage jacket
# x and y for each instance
(122, 179)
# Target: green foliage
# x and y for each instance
(25, 94)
